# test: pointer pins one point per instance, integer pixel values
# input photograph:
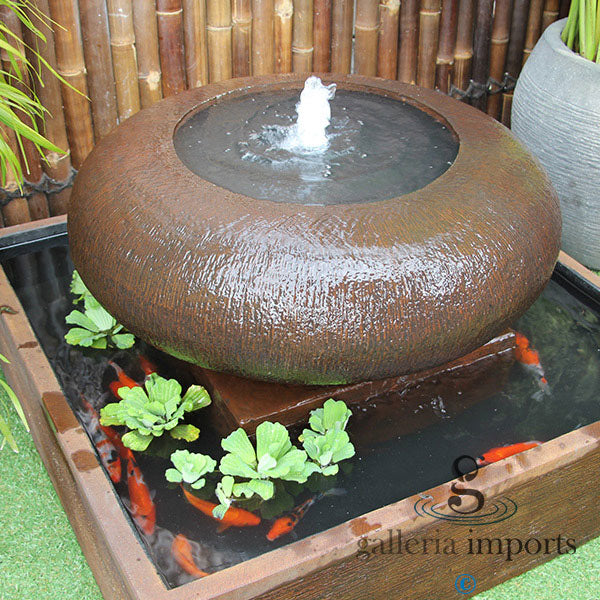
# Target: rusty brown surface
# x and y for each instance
(313, 294)
(241, 402)
(540, 480)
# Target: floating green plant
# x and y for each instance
(151, 412)
(326, 442)
(95, 327)
(250, 471)
(190, 468)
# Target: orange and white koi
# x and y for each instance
(181, 549)
(108, 452)
(530, 358)
(234, 517)
(143, 509)
(124, 380)
(495, 454)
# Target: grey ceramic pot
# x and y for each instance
(556, 114)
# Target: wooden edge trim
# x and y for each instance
(12, 229)
(570, 262)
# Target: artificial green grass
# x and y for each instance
(40, 558)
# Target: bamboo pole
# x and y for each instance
(145, 30)
(366, 33)
(122, 45)
(57, 166)
(263, 56)
(387, 51)
(284, 10)
(463, 53)
(99, 66)
(71, 66)
(514, 54)
(170, 45)
(429, 22)
(302, 37)
(342, 17)
(500, 36)
(241, 18)
(409, 41)
(322, 35)
(481, 47)
(29, 157)
(550, 14)
(445, 55)
(534, 27)
(218, 18)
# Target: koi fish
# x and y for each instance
(181, 549)
(284, 525)
(495, 454)
(124, 380)
(234, 517)
(142, 508)
(530, 358)
(147, 366)
(107, 451)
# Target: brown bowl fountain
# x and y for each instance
(197, 241)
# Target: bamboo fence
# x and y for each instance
(125, 55)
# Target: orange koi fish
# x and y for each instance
(124, 380)
(286, 524)
(495, 454)
(107, 451)
(142, 508)
(234, 517)
(530, 358)
(181, 549)
(147, 366)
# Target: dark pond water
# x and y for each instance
(405, 443)
(379, 148)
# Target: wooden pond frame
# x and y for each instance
(552, 486)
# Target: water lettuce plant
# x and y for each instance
(326, 442)
(253, 471)
(151, 412)
(95, 327)
(190, 468)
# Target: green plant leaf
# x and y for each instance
(7, 433)
(76, 317)
(237, 443)
(76, 336)
(78, 288)
(173, 475)
(265, 489)
(186, 432)
(272, 439)
(195, 398)
(15, 401)
(123, 340)
(136, 441)
(232, 464)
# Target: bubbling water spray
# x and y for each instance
(314, 114)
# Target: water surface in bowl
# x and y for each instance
(379, 148)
